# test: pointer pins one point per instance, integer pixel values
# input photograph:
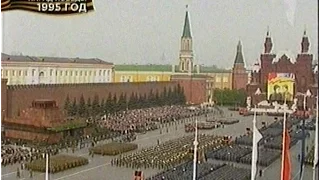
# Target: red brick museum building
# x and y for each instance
(305, 72)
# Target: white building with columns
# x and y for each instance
(53, 70)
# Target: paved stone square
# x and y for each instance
(99, 167)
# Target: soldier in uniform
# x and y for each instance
(18, 173)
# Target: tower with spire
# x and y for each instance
(268, 43)
(186, 52)
(239, 72)
(305, 42)
(266, 57)
(304, 62)
(300, 67)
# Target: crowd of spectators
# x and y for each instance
(139, 120)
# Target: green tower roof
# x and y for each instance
(186, 28)
(239, 56)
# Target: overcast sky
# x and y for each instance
(141, 31)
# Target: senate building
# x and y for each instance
(23, 70)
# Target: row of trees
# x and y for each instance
(230, 97)
(97, 106)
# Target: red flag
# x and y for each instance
(286, 164)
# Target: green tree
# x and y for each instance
(82, 107)
(157, 100)
(182, 97)
(229, 97)
(89, 108)
(164, 96)
(170, 97)
(136, 101)
(96, 105)
(175, 95)
(151, 99)
(140, 102)
(74, 107)
(67, 105)
(143, 101)
(132, 101)
(101, 107)
(114, 104)
(122, 102)
(108, 104)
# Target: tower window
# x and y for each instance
(182, 66)
(187, 45)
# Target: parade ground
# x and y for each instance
(99, 167)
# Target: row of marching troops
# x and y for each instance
(14, 154)
(170, 153)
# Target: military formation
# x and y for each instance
(170, 153)
(113, 148)
(240, 151)
(205, 171)
(265, 158)
(57, 163)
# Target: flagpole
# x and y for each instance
(47, 166)
(256, 138)
(195, 143)
(283, 144)
(316, 145)
(283, 141)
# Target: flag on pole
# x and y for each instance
(256, 138)
(286, 164)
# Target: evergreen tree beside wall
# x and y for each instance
(82, 107)
(67, 106)
(229, 97)
(170, 96)
(96, 105)
(74, 108)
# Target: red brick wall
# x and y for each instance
(3, 98)
(194, 90)
(20, 97)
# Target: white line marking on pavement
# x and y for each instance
(8, 174)
(79, 172)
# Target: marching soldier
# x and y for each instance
(18, 173)
(31, 173)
